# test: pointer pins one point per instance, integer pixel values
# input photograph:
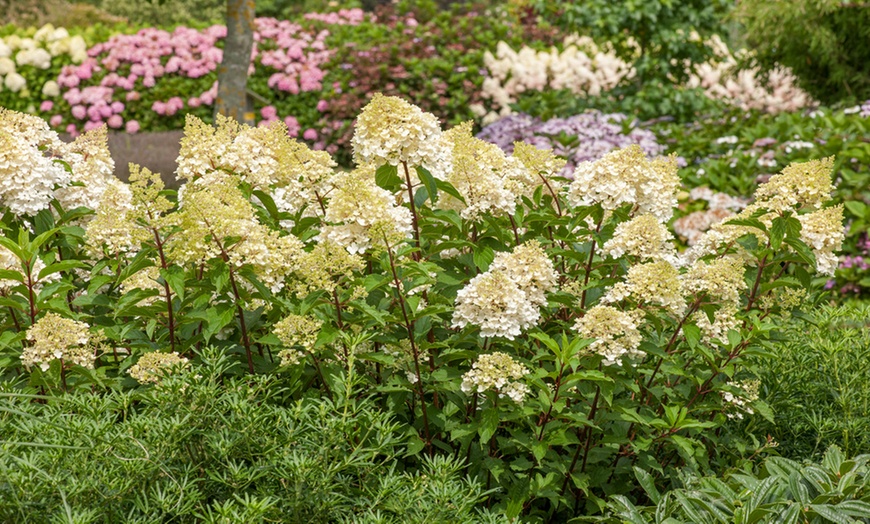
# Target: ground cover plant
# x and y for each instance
(543, 332)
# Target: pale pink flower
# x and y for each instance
(132, 126)
(309, 134)
(55, 121)
(115, 121)
(269, 112)
(79, 112)
(322, 105)
(46, 106)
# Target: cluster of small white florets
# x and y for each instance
(27, 176)
(506, 299)
(498, 372)
(581, 67)
(653, 282)
(29, 270)
(743, 400)
(92, 170)
(615, 332)
(153, 366)
(362, 215)
(146, 280)
(391, 131)
(626, 176)
(54, 337)
(642, 237)
(720, 206)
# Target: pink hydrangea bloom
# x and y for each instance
(115, 121)
(269, 112)
(46, 106)
(79, 112)
(132, 126)
(309, 134)
(293, 126)
(55, 121)
(322, 105)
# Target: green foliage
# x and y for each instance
(164, 13)
(837, 490)
(816, 383)
(822, 41)
(213, 446)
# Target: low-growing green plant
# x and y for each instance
(544, 331)
(816, 383)
(210, 445)
(783, 490)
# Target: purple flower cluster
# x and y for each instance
(579, 138)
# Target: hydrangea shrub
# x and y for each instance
(545, 329)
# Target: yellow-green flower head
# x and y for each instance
(389, 130)
(325, 266)
(146, 280)
(296, 330)
(113, 230)
(724, 319)
(203, 146)
(625, 176)
(362, 215)
(498, 372)
(478, 173)
(615, 332)
(153, 366)
(55, 337)
(806, 184)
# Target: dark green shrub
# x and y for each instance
(824, 42)
(817, 383)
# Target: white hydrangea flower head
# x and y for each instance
(55, 337)
(824, 233)
(27, 176)
(720, 280)
(529, 267)
(296, 330)
(615, 332)
(146, 280)
(724, 320)
(496, 304)
(478, 174)
(742, 400)
(391, 131)
(626, 176)
(654, 282)
(362, 215)
(155, 365)
(803, 185)
(642, 237)
(497, 372)
(92, 167)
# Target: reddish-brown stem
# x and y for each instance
(417, 254)
(158, 242)
(409, 326)
(514, 227)
(241, 312)
(589, 268)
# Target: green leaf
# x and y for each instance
(58, 267)
(174, 275)
(693, 335)
(777, 232)
(483, 257)
(428, 182)
(489, 420)
(858, 209)
(648, 484)
(832, 514)
(387, 177)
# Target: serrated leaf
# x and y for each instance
(489, 420)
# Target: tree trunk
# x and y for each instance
(233, 72)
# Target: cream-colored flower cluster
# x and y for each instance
(37, 51)
(27, 175)
(626, 176)
(507, 299)
(581, 67)
(54, 337)
(92, 170)
(615, 332)
(498, 372)
(146, 280)
(362, 215)
(296, 330)
(216, 221)
(155, 365)
(643, 237)
(799, 187)
(391, 131)
(653, 282)
(721, 79)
